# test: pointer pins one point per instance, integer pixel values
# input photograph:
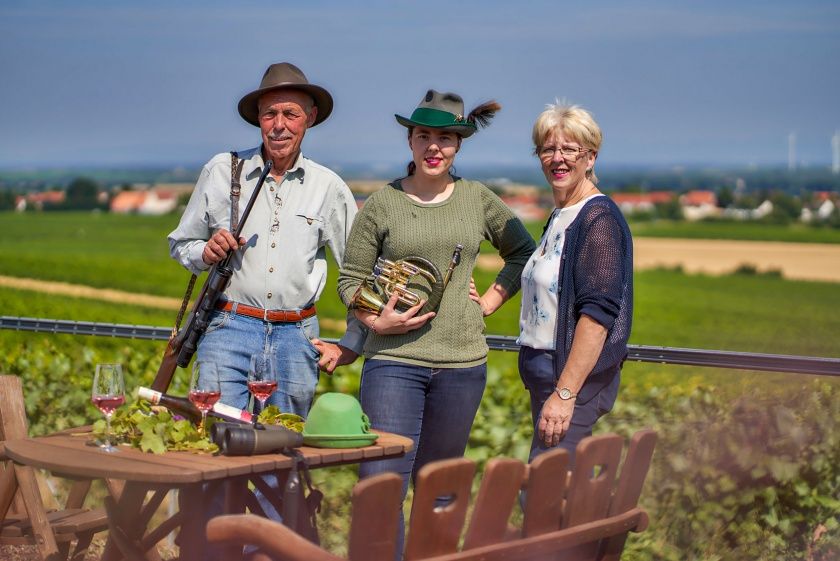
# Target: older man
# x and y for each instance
(279, 262)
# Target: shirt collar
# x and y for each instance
(254, 166)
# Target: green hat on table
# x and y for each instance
(446, 111)
(336, 420)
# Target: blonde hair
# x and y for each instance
(574, 122)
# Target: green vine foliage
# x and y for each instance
(740, 471)
(155, 430)
(753, 478)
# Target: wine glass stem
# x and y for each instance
(204, 423)
(107, 430)
(257, 413)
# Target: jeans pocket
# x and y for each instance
(300, 391)
(310, 329)
(217, 320)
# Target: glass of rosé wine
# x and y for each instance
(204, 389)
(262, 379)
(107, 394)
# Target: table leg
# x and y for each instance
(192, 539)
(125, 515)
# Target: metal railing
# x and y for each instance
(640, 353)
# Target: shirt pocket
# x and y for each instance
(311, 228)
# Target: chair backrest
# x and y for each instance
(558, 524)
(561, 512)
(376, 502)
(435, 529)
(546, 481)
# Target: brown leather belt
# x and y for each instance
(284, 316)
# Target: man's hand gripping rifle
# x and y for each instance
(182, 346)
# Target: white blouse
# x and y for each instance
(541, 283)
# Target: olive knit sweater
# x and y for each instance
(394, 226)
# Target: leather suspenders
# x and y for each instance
(235, 188)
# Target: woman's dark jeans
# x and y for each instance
(435, 407)
(539, 374)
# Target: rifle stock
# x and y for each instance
(182, 346)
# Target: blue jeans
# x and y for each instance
(231, 340)
(435, 407)
(539, 374)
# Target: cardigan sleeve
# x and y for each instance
(600, 269)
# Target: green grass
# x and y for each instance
(754, 313)
(95, 249)
(749, 231)
(131, 252)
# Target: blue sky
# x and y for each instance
(671, 83)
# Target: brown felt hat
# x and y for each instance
(285, 76)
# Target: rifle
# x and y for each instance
(183, 344)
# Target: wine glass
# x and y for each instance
(262, 381)
(107, 394)
(204, 389)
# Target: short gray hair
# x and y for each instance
(574, 121)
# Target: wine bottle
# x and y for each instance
(182, 406)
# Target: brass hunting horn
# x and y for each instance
(392, 277)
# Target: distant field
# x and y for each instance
(129, 253)
(744, 231)
(93, 249)
(736, 231)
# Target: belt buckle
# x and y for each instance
(265, 315)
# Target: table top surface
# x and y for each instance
(69, 454)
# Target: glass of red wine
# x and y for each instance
(107, 394)
(204, 389)
(262, 379)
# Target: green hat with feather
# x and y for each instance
(446, 111)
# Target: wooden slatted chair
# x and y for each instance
(25, 520)
(589, 522)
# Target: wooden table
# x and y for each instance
(196, 476)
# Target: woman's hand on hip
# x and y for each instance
(495, 296)
(555, 418)
(392, 322)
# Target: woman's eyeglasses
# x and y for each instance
(569, 153)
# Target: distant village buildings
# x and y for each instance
(630, 203)
(825, 204)
(530, 203)
(38, 200)
(159, 199)
(697, 205)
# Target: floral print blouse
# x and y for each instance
(540, 286)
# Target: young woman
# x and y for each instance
(425, 372)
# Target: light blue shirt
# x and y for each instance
(283, 265)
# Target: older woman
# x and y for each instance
(425, 370)
(577, 288)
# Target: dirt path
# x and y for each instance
(118, 296)
(800, 261)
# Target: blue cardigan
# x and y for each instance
(596, 276)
